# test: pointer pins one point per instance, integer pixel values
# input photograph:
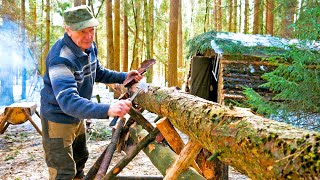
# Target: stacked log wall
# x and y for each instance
(235, 73)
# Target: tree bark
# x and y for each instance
(125, 50)
(79, 2)
(47, 44)
(110, 53)
(135, 52)
(116, 39)
(255, 146)
(270, 17)
(180, 48)
(256, 16)
(219, 16)
(173, 42)
(150, 71)
(246, 17)
(230, 28)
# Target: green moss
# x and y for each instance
(213, 156)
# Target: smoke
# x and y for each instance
(17, 66)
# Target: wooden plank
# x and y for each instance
(186, 157)
(173, 138)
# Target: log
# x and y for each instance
(130, 155)
(138, 178)
(95, 168)
(110, 150)
(161, 156)
(173, 138)
(258, 147)
(185, 159)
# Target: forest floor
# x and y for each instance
(21, 154)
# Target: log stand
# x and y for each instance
(99, 170)
(19, 113)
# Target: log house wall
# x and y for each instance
(236, 72)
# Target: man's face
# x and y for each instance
(82, 38)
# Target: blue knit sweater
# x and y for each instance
(68, 83)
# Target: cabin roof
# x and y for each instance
(246, 44)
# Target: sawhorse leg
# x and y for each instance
(31, 121)
(3, 123)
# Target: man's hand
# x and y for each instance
(135, 75)
(120, 108)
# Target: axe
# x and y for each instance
(140, 87)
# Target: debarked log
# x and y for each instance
(258, 147)
(161, 156)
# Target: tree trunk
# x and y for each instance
(110, 53)
(136, 13)
(235, 15)
(173, 41)
(288, 18)
(269, 17)
(230, 29)
(47, 45)
(180, 48)
(116, 40)
(246, 17)
(151, 31)
(255, 146)
(256, 16)
(23, 47)
(125, 50)
(147, 26)
(219, 16)
(206, 17)
(79, 2)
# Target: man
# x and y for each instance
(72, 69)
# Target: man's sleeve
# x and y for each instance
(64, 87)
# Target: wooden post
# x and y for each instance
(131, 154)
(94, 169)
(173, 138)
(186, 157)
(137, 116)
(3, 122)
(25, 112)
(112, 146)
(161, 156)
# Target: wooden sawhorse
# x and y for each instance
(18, 113)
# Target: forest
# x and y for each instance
(173, 32)
(132, 31)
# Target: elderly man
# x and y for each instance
(72, 69)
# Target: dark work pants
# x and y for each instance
(65, 149)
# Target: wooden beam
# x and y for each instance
(185, 159)
(173, 138)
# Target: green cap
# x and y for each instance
(79, 17)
